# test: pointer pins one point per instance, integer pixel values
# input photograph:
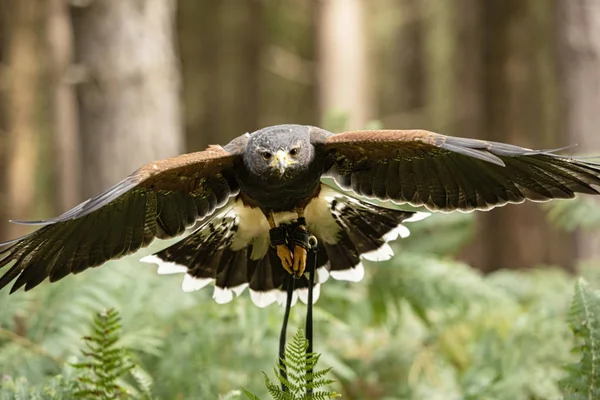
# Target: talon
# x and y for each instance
(299, 260)
(285, 255)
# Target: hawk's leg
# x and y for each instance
(279, 240)
(300, 241)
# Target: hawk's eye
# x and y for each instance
(266, 155)
(294, 152)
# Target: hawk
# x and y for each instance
(240, 194)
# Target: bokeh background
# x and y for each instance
(473, 306)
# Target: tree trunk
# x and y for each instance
(288, 81)
(21, 112)
(130, 112)
(221, 54)
(579, 51)
(520, 108)
(400, 76)
(453, 67)
(4, 12)
(343, 67)
(63, 106)
(198, 36)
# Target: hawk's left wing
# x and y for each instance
(160, 200)
(449, 173)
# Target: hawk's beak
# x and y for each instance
(281, 161)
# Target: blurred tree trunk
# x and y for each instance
(4, 12)
(221, 53)
(21, 111)
(453, 67)
(129, 103)
(520, 108)
(400, 76)
(288, 81)
(433, 75)
(343, 68)
(198, 35)
(579, 41)
(63, 106)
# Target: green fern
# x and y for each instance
(583, 380)
(99, 376)
(249, 395)
(105, 362)
(302, 381)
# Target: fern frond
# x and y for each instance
(317, 383)
(105, 362)
(323, 395)
(583, 379)
(301, 379)
(294, 366)
(143, 380)
(275, 391)
(317, 374)
(249, 395)
(291, 384)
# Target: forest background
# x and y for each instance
(92, 89)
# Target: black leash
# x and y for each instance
(311, 267)
(286, 316)
(309, 307)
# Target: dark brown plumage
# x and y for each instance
(445, 173)
(278, 169)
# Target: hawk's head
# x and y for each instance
(279, 151)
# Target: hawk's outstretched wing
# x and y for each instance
(445, 173)
(160, 199)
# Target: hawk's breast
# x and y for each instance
(253, 228)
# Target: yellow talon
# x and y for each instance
(285, 255)
(299, 260)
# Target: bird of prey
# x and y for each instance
(240, 194)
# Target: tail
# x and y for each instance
(232, 248)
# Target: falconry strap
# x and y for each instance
(299, 237)
(278, 235)
(295, 234)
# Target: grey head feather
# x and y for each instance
(269, 145)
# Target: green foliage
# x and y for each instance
(302, 381)
(106, 362)
(417, 327)
(583, 380)
(581, 212)
(100, 375)
(56, 388)
(249, 395)
(445, 331)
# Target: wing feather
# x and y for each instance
(445, 173)
(468, 200)
(161, 199)
(379, 180)
(392, 186)
(407, 181)
(448, 184)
